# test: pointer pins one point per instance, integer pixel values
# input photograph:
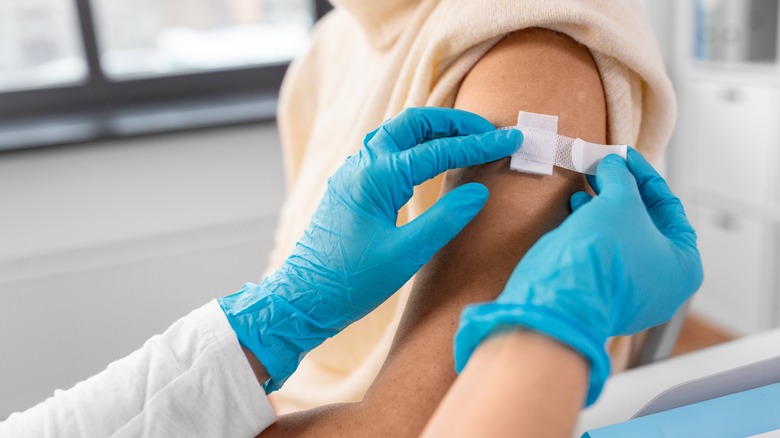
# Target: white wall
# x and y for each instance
(661, 15)
(103, 245)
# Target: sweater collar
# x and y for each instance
(381, 20)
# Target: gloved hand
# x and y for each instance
(353, 257)
(623, 261)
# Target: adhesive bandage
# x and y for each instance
(543, 148)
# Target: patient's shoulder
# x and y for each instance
(541, 71)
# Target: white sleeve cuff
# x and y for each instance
(240, 382)
(192, 380)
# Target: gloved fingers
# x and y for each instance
(417, 125)
(579, 199)
(651, 184)
(664, 207)
(614, 179)
(436, 156)
(444, 220)
(370, 135)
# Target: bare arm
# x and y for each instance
(532, 70)
(518, 383)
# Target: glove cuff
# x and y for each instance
(480, 321)
(274, 330)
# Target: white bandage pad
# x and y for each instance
(543, 148)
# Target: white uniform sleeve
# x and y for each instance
(193, 380)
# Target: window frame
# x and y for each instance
(100, 101)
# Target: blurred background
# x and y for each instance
(141, 175)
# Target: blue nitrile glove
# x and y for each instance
(624, 261)
(353, 257)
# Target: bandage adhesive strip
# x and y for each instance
(543, 148)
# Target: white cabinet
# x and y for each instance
(730, 180)
(735, 139)
(736, 273)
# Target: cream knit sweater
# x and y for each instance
(368, 60)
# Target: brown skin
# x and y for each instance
(518, 383)
(532, 70)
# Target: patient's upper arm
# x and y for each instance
(540, 71)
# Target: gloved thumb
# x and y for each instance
(613, 177)
(445, 219)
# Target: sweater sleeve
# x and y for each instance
(192, 380)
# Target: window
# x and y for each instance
(80, 70)
(39, 44)
(173, 36)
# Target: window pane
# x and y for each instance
(160, 37)
(40, 44)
